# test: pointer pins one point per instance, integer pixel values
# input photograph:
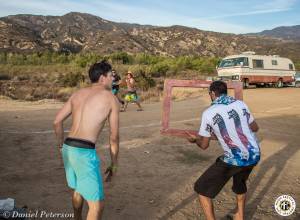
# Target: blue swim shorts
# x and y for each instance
(115, 91)
(82, 167)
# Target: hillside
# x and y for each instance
(79, 32)
(287, 33)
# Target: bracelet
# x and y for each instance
(113, 167)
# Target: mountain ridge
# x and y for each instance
(81, 32)
(282, 32)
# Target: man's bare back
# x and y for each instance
(90, 109)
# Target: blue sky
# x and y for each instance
(230, 16)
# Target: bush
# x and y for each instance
(144, 82)
(297, 65)
(3, 58)
(64, 93)
(43, 92)
(4, 76)
(70, 79)
(81, 61)
(159, 69)
(122, 57)
(147, 59)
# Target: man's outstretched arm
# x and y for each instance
(63, 114)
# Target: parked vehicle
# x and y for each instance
(250, 68)
(297, 79)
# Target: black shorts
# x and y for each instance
(211, 182)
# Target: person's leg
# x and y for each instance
(120, 100)
(210, 184)
(241, 200)
(127, 99)
(124, 106)
(139, 105)
(116, 93)
(239, 187)
(95, 210)
(207, 206)
(77, 201)
(136, 101)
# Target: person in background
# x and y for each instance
(116, 86)
(131, 95)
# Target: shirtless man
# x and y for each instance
(89, 108)
(131, 95)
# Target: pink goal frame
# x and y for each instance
(166, 107)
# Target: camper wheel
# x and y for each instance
(245, 83)
(279, 83)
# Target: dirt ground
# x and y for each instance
(156, 173)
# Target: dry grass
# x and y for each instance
(38, 70)
(156, 95)
(64, 93)
(2, 97)
(152, 95)
(184, 93)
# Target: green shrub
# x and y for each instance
(4, 76)
(159, 69)
(144, 82)
(147, 59)
(3, 58)
(297, 65)
(70, 79)
(122, 57)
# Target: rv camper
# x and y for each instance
(250, 68)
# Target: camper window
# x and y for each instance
(258, 64)
(274, 62)
(241, 61)
(291, 66)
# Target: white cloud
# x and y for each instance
(267, 11)
(266, 7)
(219, 26)
(276, 5)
